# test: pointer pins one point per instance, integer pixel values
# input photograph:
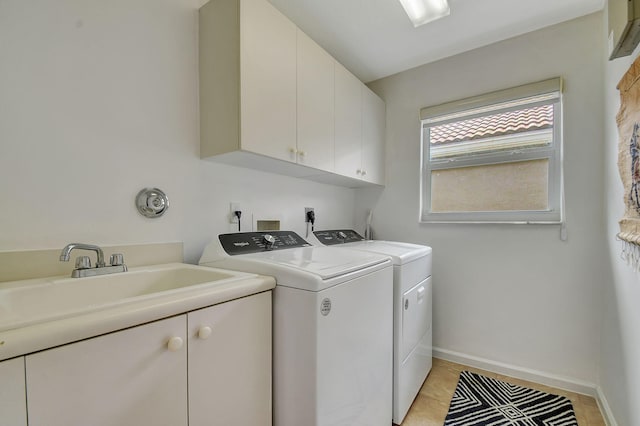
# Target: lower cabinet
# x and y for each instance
(230, 363)
(206, 367)
(126, 378)
(13, 409)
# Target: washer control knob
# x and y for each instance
(269, 241)
(342, 235)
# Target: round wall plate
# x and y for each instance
(152, 202)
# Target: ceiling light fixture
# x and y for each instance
(422, 11)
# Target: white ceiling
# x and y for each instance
(374, 38)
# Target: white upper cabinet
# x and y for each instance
(273, 99)
(315, 105)
(13, 407)
(268, 81)
(373, 137)
(348, 122)
(247, 79)
(359, 129)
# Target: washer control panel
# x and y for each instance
(255, 242)
(337, 236)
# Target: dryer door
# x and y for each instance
(416, 315)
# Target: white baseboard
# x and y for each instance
(605, 409)
(535, 376)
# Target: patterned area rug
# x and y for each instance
(480, 400)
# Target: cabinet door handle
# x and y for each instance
(364, 172)
(293, 150)
(175, 343)
(302, 153)
(358, 171)
(204, 332)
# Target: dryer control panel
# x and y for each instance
(255, 242)
(337, 236)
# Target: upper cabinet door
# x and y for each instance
(348, 122)
(13, 407)
(132, 377)
(373, 137)
(268, 80)
(315, 104)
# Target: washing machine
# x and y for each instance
(412, 301)
(333, 334)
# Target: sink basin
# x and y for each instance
(36, 301)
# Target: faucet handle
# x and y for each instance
(116, 259)
(83, 262)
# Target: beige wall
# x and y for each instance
(512, 294)
(620, 347)
(522, 185)
(99, 99)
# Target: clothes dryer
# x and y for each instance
(412, 302)
(333, 334)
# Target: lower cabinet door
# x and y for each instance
(230, 363)
(13, 408)
(134, 377)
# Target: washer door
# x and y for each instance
(416, 315)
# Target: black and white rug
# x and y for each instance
(480, 400)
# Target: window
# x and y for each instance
(494, 158)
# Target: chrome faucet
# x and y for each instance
(66, 252)
(83, 263)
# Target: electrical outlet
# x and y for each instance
(234, 207)
(306, 211)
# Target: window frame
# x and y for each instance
(452, 111)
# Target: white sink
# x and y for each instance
(24, 303)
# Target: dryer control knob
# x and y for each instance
(269, 241)
(342, 235)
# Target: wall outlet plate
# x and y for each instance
(234, 207)
(307, 210)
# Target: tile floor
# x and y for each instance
(432, 403)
